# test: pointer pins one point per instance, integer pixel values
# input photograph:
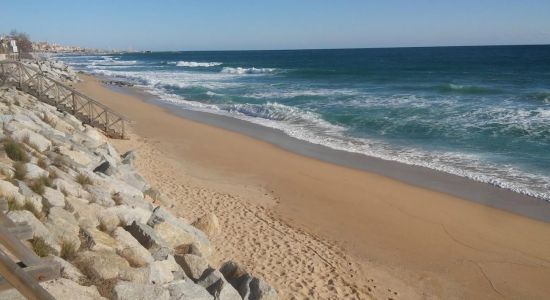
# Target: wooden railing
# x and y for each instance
(63, 97)
(27, 269)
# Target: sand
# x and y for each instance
(322, 231)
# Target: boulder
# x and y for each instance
(128, 215)
(34, 139)
(222, 290)
(86, 213)
(146, 236)
(193, 265)
(261, 290)
(177, 232)
(137, 291)
(233, 273)
(102, 265)
(187, 289)
(108, 220)
(97, 240)
(77, 158)
(38, 229)
(100, 195)
(209, 224)
(9, 190)
(53, 198)
(129, 157)
(129, 248)
(68, 271)
(63, 288)
(34, 171)
(29, 195)
(63, 226)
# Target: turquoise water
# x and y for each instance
(477, 112)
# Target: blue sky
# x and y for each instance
(279, 24)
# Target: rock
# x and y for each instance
(34, 139)
(38, 229)
(129, 215)
(97, 240)
(233, 273)
(160, 272)
(103, 168)
(101, 265)
(29, 195)
(94, 135)
(194, 266)
(34, 171)
(68, 271)
(129, 157)
(78, 158)
(186, 289)
(127, 174)
(209, 224)
(100, 195)
(63, 226)
(86, 213)
(155, 218)
(260, 290)
(53, 198)
(177, 232)
(108, 220)
(145, 235)
(70, 188)
(9, 190)
(136, 291)
(222, 290)
(131, 249)
(63, 288)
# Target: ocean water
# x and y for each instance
(477, 112)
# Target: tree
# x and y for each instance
(24, 44)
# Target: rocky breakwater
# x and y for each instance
(54, 69)
(93, 214)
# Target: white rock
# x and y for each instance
(193, 265)
(35, 140)
(9, 190)
(68, 271)
(66, 289)
(187, 289)
(38, 228)
(63, 226)
(101, 264)
(34, 171)
(98, 241)
(128, 215)
(209, 224)
(131, 249)
(52, 198)
(136, 291)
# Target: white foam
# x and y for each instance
(242, 71)
(193, 64)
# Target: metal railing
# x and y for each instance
(63, 97)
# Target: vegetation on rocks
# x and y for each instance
(83, 180)
(40, 247)
(15, 151)
(19, 170)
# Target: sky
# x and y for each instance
(278, 24)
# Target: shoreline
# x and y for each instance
(419, 176)
(441, 245)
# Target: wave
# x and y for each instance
(467, 89)
(242, 71)
(194, 64)
(288, 94)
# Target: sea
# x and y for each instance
(477, 112)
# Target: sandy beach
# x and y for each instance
(323, 231)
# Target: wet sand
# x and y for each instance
(345, 230)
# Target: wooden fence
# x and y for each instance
(63, 97)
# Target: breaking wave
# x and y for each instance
(194, 64)
(242, 71)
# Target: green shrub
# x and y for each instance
(68, 250)
(83, 180)
(15, 150)
(39, 247)
(42, 163)
(19, 170)
(30, 207)
(37, 186)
